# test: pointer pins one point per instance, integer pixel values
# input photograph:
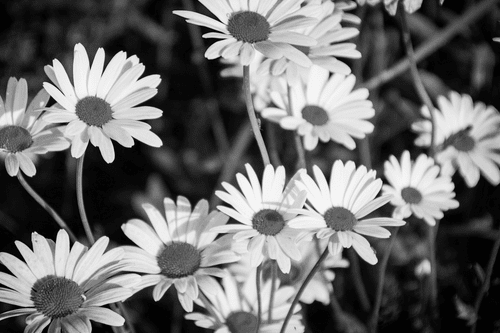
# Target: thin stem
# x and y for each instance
(309, 277)
(301, 154)
(259, 297)
(125, 314)
(79, 198)
(486, 284)
(359, 285)
(253, 117)
(274, 277)
(45, 206)
(433, 278)
(372, 325)
(271, 139)
(210, 308)
(337, 313)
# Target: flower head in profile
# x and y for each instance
(466, 137)
(324, 109)
(65, 288)
(337, 210)
(243, 27)
(178, 251)
(417, 188)
(263, 212)
(235, 308)
(100, 106)
(23, 133)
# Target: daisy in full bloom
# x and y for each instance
(417, 188)
(466, 138)
(337, 209)
(62, 287)
(235, 308)
(263, 212)
(102, 106)
(179, 250)
(324, 109)
(23, 133)
(267, 26)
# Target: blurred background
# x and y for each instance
(204, 122)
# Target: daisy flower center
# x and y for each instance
(411, 195)
(268, 222)
(315, 115)
(241, 322)
(340, 219)
(94, 111)
(249, 27)
(56, 296)
(15, 138)
(179, 260)
(462, 141)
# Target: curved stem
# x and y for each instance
(372, 325)
(259, 298)
(253, 117)
(309, 277)
(301, 154)
(274, 276)
(45, 206)
(79, 198)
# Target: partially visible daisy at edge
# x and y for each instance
(179, 250)
(467, 138)
(65, 288)
(337, 210)
(23, 134)
(235, 307)
(263, 213)
(101, 106)
(324, 109)
(265, 26)
(418, 189)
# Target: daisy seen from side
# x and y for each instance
(101, 106)
(65, 288)
(179, 250)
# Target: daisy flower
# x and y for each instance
(62, 287)
(102, 106)
(324, 109)
(331, 37)
(466, 137)
(417, 188)
(263, 212)
(179, 250)
(23, 134)
(337, 209)
(235, 307)
(264, 25)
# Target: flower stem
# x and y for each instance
(45, 206)
(372, 325)
(79, 198)
(359, 286)
(434, 310)
(210, 308)
(486, 283)
(253, 117)
(274, 276)
(309, 277)
(301, 154)
(259, 297)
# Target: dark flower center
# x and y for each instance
(15, 138)
(340, 219)
(94, 111)
(179, 260)
(411, 195)
(56, 296)
(241, 322)
(315, 115)
(268, 222)
(249, 27)
(461, 140)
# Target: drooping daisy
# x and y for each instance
(102, 106)
(417, 188)
(235, 308)
(337, 209)
(22, 132)
(65, 288)
(467, 138)
(263, 212)
(324, 109)
(179, 250)
(331, 37)
(267, 26)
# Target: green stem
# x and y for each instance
(274, 277)
(259, 297)
(79, 198)
(253, 117)
(433, 278)
(301, 154)
(46, 206)
(359, 285)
